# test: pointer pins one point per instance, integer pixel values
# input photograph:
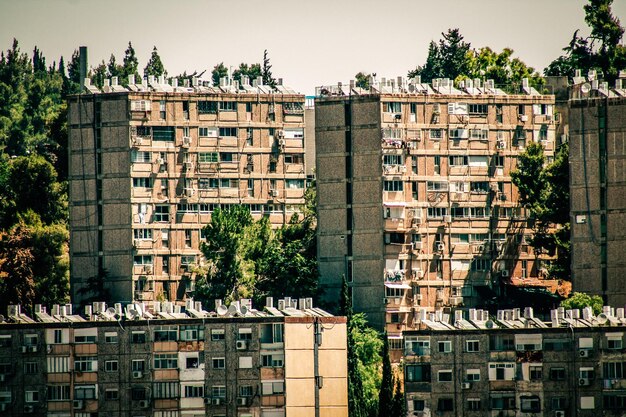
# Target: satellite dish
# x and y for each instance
(489, 324)
(411, 88)
(232, 309)
(244, 310)
(585, 88)
(139, 309)
(110, 311)
(1, 318)
(134, 314)
(222, 310)
(602, 318)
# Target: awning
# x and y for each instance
(394, 336)
(400, 286)
(394, 203)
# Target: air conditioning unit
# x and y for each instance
(137, 374)
(241, 345)
(504, 273)
(417, 297)
(147, 270)
(188, 165)
(216, 401)
(559, 413)
(478, 248)
(418, 273)
(549, 117)
(32, 349)
(523, 118)
(3, 406)
(281, 142)
(440, 246)
(137, 140)
(583, 382)
(584, 353)
(160, 161)
(28, 409)
(279, 133)
(243, 401)
(24, 349)
(274, 193)
(189, 192)
(186, 141)
(78, 404)
(455, 301)
(416, 245)
(466, 385)
(502, 196)
(436, 108)
(500, 144)
(143, 404)
(447, 218)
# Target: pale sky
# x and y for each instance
(310, 43)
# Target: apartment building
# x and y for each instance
(149, 163)
(174, 362)
(597, 137)
(516, 365)
(415, 201)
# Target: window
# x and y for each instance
(393, 185)
(472, 345)
(481, 265)
(293, 184)
(272, 333)
(246, 391)
(393, 160)
(457, 108)
(208, 132)
(218, 391)
(142, 234)
(501, 371)
(143, 182)
(31, 396)
(473, 404)
(436, 186)
(138, 365)
(458, 160)
(139, 156)
(536, 372)
(217, 334)
(477, 109)
(557, 374)
(58, 392)
(293, 133)
(558, 403)
(207, 157)
(444, 346)
(85, 336)
(31, 339)
(111, 366)
(479, 134)
(166, 390)
(479, 187)
(445, 404)
(227, 157)
(5, 340)
(228, 106)
(111, 395)
(165, 334)
(207, 107)
(294, 159)
(245, 362)
(435, 133)
(85, 392)
(273, 388)
(162, 213)
(57, 364)
(417, 345)
(138, 337)
(614, 370)
(194, 391)
(163, 133)
(228, 131)
(472, 375)
(31, 368)
(502, 401)
(273, 360)
(612, 401)
(86, 363)
(393, 107)
(444, 376)
(218, 363)
(191, 333)
(186, 208)
(166, 361)
(142, 260)
(530, 404)
(162, 109)
(458, 133)
(614, 341)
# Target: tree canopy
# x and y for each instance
(154, 66)
(581, 300)
(602, 50)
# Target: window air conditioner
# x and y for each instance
(77, 404)
(584, 353)
(583, 382)
(217, 401)
(559, 413)
(242, 401)
(467, 385)
(440, 246)
(143, 404)
(137, 374)
(186, 141)
(160, 161)
(504, 273)
(241, 345)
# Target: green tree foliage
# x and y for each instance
(130, 66)
(113, 68)
(501, 67)
(155, 66)
(98, 74)
(601, 50)
(367, 346)
(252, 71)
(581, 300)
(385, 396)
(17, 281)
(362, 80)
(218, 72)
(399, 401)
(266, 71)
(96, 289)
(448, 59)
(544, 192)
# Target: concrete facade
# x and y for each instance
(516, 366)
(415, 200)
(148, 166)
(277, 363)
(597, 136)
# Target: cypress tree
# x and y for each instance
(385, 397)
(399, 403)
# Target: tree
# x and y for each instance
(544, 192)
(99, 74)
(266, 72)
(601, 50)
(362, 80)
(581, 300)
(251, 71)
(448, 59)
(131, 65)
(218, 72)
(113, 68)
(155, 66)
(399, 401)
(96, 289)
(17, 283)
(385, 396)
(367, 347)
(501, 67)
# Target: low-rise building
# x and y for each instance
(238, 361)
(516, 365)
